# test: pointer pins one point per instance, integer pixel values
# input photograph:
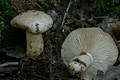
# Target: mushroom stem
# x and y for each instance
(35, 44)
(86, 59)
(81, 63)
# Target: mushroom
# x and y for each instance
(35, 23)
(88, 50)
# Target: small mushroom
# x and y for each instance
(87, 50)
(35, 23)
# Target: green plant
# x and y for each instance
(6, 14)
(107, 7)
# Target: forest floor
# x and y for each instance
(49, 65)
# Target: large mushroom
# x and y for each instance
(35, 23)
(88, 50)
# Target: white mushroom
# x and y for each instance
(87, 50)
(35, 23)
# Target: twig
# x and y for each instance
(51, 68)
(8, 69)
(8, 64)
(101, 17)
(65, 15)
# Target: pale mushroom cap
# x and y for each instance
(33, 21)
(94, 41)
